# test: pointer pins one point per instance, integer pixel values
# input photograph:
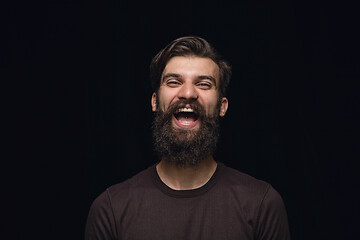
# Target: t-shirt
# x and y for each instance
(231, 205)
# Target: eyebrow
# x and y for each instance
(171, 75)
(201, 77)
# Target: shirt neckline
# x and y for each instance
(186, 193)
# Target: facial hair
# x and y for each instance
(185, 147)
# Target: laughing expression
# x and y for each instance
(189, 79)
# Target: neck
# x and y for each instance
(186, 178)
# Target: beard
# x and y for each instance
(185, 147)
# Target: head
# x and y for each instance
(186, 47)
(188, 100)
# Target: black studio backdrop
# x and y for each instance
(78, 115)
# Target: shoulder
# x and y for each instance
(133, 185)
(263, 203)
(242, 182)
(252, 190)
(121, 191)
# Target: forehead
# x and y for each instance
(192, 66)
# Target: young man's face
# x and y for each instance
(189, 79)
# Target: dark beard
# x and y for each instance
(185, 148)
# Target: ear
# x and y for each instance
(223, 106)
(153, 102)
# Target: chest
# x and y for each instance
(204, 217)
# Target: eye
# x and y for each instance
(173, 83)
(204, 85)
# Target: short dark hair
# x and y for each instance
(189, 46)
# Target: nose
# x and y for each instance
(188, 91)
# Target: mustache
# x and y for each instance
(199, 110)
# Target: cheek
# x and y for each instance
(212, 106)
(163, 102)
(166, 98)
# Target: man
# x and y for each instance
(188, 195)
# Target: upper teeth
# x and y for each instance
(185, 110)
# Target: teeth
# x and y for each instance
(185, 110)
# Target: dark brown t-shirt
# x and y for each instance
(231, 205)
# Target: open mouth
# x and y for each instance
(186, 117)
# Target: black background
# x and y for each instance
(76, 104)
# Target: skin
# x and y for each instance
(197, 79)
